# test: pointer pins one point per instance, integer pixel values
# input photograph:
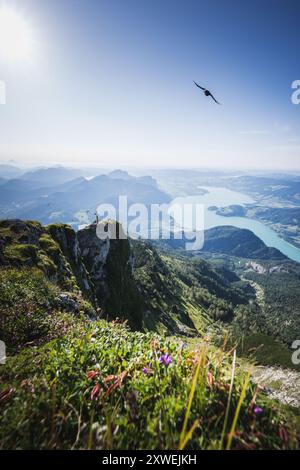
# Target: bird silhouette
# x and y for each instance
(207, 92)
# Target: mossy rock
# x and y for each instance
(46, 264)
(6, 233)
(46, 242)
(53, 229)
(20, 254)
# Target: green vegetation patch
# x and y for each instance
(267, 351)
(103, 387)
(18, 254)
(25, 306)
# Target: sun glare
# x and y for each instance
(16, 38)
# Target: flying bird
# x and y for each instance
(207, 92)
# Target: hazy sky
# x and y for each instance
(110, 83)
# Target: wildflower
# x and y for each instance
(91, 374)
(210, 379)
(165, 359)
(148, 370)
(96, 392)
(258, 410)
(116, 381)
(110, 377)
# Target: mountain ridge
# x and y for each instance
(68, 202)
(125, 278)
(229, 240)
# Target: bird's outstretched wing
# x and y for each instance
(198, 85)
(214, 98)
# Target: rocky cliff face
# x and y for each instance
(100, 269)
(129, 280)
(109, 264)
(68, 243)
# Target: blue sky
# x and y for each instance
(110, 83)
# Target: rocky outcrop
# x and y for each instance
(100, 268)
(260, 269)
(109, 265)
(280, 384)
(67, 240)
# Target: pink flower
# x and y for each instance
(96, 392)
(210, 379)
(91, 374)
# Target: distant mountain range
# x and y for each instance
(53, 176)
(71, 196)
(9, 171)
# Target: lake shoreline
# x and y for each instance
(216, 197)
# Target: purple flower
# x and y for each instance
(148, 370)
(165, 359)
(258, 410)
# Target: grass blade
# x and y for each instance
(237, 411)
(190, 401)
(188, 436)
(229, 400)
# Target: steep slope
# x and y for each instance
(101, 269)
(109, 264)
(54, 250)
(181, 292)
(124, 278)
(70, 382)
(101, 386)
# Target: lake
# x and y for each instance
(222, 197)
